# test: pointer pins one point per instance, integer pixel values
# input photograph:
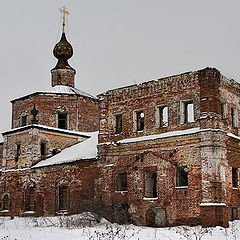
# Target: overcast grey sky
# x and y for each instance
(116, 43)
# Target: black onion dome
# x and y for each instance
(63, 51)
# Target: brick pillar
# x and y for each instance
(209, 81)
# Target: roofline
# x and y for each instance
(71, 161)
(51, 129)
(50, 93)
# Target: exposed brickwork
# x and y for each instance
(185, 177)
(30, 145)
(205, 153)
(82, 112)
(79, 178)
(63, 77)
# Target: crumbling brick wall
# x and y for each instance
(82, 112)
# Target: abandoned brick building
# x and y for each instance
(160, 153)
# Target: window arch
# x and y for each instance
(62, 198)
(5, 202)
(30, 199)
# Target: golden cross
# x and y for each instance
(64, 12)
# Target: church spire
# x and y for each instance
(63, 73)
(64, 12)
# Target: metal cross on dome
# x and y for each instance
(64, 11)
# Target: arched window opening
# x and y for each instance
(29, 199)
(63, 198)
(5, 202)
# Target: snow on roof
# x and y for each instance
(81, 151)
(69, 90)
(71, 132)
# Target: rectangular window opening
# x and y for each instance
(140, 120)
(163, 116)
(233, 117)
(17, 152)
(223, 110)
(62, 120)
(118, 125)
(181, 176)
(24, 121)
(122, 181)
(29, 200)
(189, 112)
(150, 184)
(62, 198)
(43, 149)
(234, 213)
(235, 177)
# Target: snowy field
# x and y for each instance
(85, 227)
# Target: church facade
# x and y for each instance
(160, 153)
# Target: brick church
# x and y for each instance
(160, 153)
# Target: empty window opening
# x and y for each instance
(63, 198)
(223, 110)
(118, 124)
(140, 120)
(24, 121)
(233, 117)
(163, 116)
(234, 213)
(122, 181)
(17, 152)
(5, 202)
(29, 199)
(43, 149)
(62, 120)
(235, 177)
(59, 78)
(181, 176)
(189, 112)
(150, 184)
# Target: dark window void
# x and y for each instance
(140, 120)
(234, 213)
(163, 116)
(43, 149)
(5, 202)
(223, 110)
(150, 184)
(235, 177)
(62, 198)
(188, 112)
(29, 199)
(181, 176)
(233, 117)
(59, 78)
(118, 124)
(17, 152)
(62, 120)
(24, 121)
(122, 181)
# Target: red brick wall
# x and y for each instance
(80, 178)
(30, 141)
(83, 113)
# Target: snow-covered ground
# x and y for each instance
(84, 226)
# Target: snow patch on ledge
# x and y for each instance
(150, 199)
(81, 151)
(161, 135)
(213, 204)
(168, 134)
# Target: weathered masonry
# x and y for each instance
(160, 153)
(170, 151)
